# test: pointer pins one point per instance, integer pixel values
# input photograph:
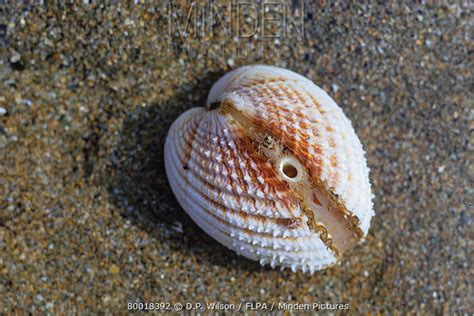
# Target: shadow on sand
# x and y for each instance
(139, 188)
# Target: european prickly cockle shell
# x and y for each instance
(272, 169)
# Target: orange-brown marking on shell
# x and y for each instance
(285, 222)
(290, 223)
(265, 170)
(298, 148)
(314, 164)
(240, 177)
(315, 200)
(351, 220)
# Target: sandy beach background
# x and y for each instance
(88, 222)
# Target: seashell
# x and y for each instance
(272, 169)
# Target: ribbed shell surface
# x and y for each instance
(233, 193)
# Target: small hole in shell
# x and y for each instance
(290, 171)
